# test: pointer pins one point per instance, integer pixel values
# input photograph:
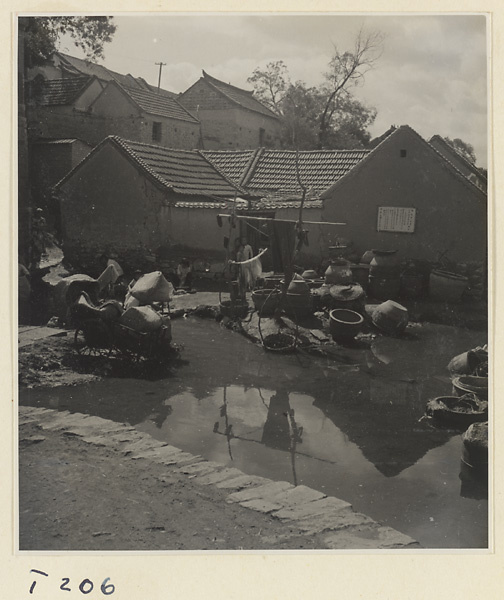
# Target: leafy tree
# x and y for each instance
(41, 35)
(463, 148)
(327, 115)
(38, 39)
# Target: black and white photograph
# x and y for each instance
(253, 284)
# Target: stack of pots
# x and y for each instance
(384, 275)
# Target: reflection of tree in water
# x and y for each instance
(280, 431)
(164, 411)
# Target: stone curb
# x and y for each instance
(300, 507)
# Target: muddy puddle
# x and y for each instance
(348, 426)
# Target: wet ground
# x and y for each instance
(348, 426)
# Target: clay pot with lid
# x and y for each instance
(350, 296)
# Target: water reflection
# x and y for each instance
(347, 425)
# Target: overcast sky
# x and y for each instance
(431, 75)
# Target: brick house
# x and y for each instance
(146, 116)
(403, 194)
(63, 66)
(231, 118)
(133, 198)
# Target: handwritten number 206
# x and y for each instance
(86, 586)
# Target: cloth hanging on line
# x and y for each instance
(282, 242)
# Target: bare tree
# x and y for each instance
(347, 70)
(271, 85)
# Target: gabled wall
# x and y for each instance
(226, 126)
(108, 205)
(93, 90)
(451, 219)
(127, 120)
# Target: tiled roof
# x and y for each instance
(386, 140)
(275, 170)
(264, 204)
(233, 163)
(60, 91)
(272, 203)
(159, 104)
(439, 141)
(87, 67)
(183, 171)
(244, 98)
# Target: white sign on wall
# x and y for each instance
(396, 218)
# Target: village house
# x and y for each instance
(402, 195)
(231, 118)
(146, 116)
(63, 66)
(136, 199)
(88, 109)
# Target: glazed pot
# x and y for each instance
(385, 264)
(310, 274)
(390, 317)
(345, 324)
(338, 272)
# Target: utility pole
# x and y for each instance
(161, 65)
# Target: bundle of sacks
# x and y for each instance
(149, 289)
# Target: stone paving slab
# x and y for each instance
(295, 496)
(332, 520)
(302, 508)
(202, 468)
(244, 481)
(261, 505)
(218, 476)
(141, 444)
(369, 537)
(263, 492)
(312, 509)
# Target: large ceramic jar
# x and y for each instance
(385, 263)
(338, 272)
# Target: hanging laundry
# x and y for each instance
(282, 242)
